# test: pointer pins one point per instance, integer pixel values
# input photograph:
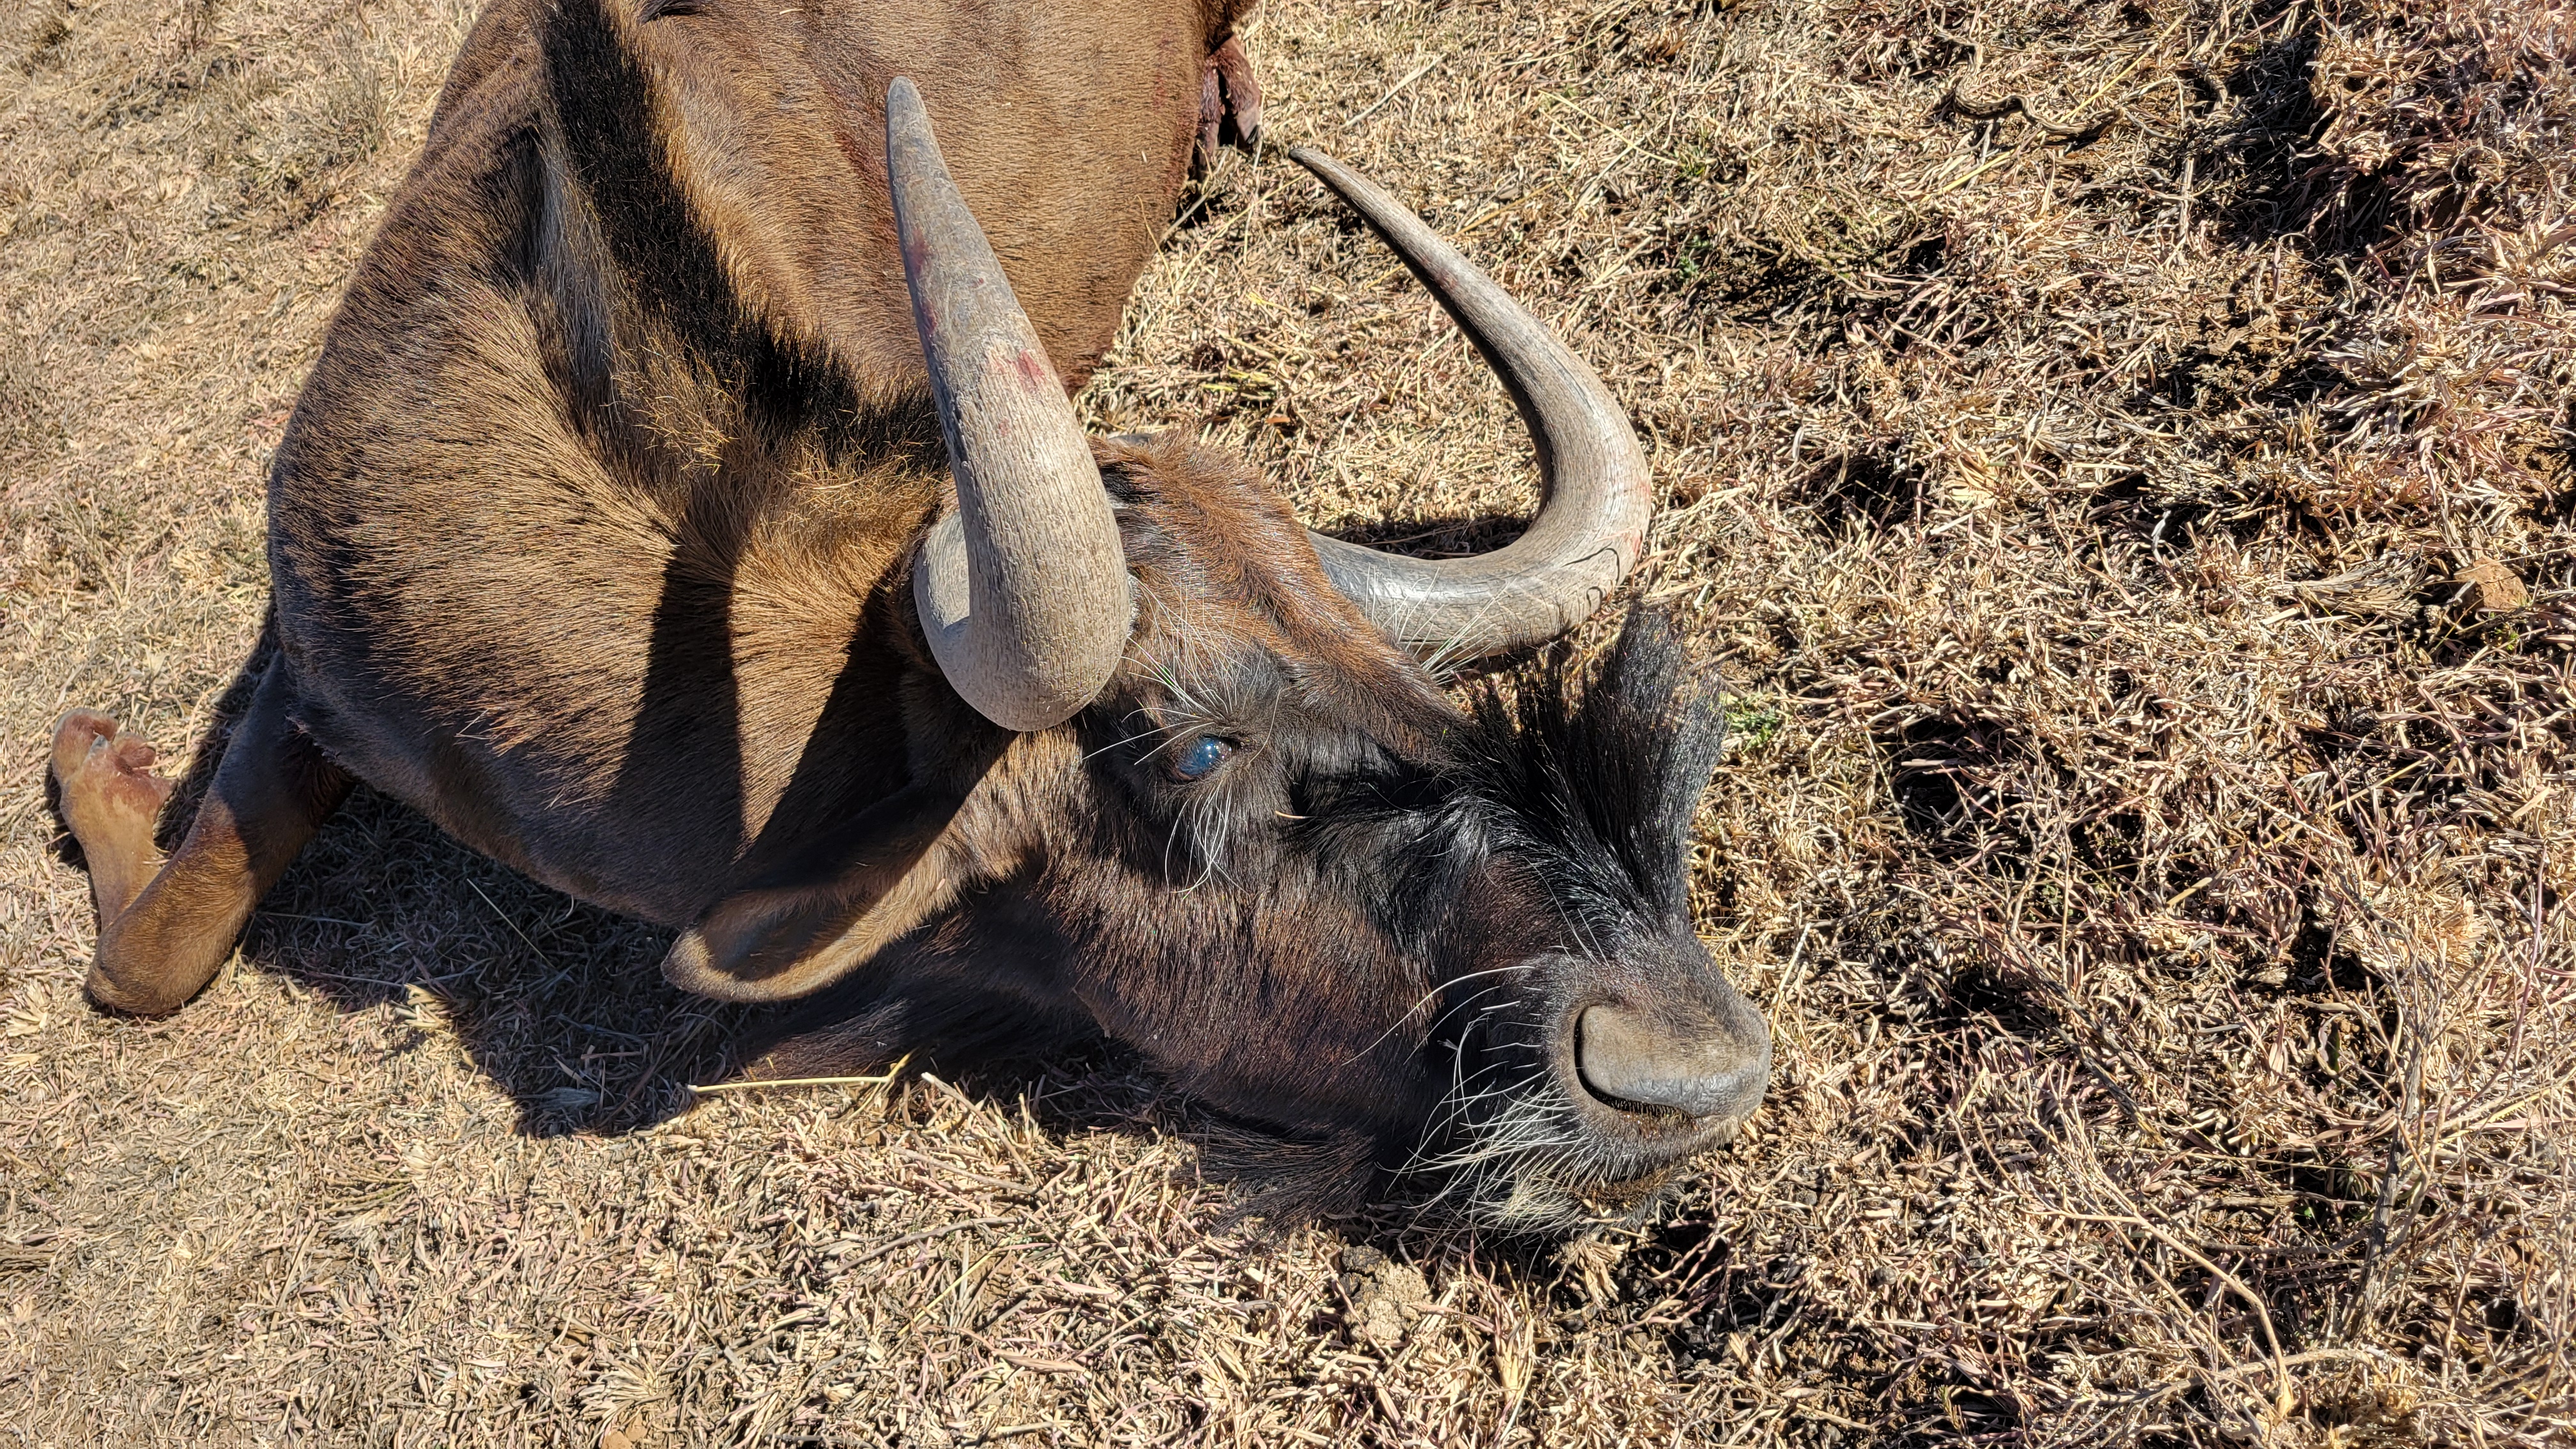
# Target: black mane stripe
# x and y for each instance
(1590, 778)
(1598, 778)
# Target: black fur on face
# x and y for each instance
(1593, 782)
(1423, 924)
(1583, 783)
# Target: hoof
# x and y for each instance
(110, 797)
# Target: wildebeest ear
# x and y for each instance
(808, 923)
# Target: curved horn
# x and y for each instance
(1023, 591)
(1595, 492)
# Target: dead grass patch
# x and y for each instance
(2117, 457)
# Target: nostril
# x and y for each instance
(1635, 1063)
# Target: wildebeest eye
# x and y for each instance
(1200, 755)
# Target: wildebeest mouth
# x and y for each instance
(1543, 1190)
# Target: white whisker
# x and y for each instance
(1426, 996)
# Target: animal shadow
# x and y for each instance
(561, 1004)
(1448, 536)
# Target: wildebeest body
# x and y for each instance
(579, 526)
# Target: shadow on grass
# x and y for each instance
(1455, 536)
(561, 1004)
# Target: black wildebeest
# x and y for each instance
(687, 510)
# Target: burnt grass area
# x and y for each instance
(2116, 458)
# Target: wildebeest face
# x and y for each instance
(1327, 900)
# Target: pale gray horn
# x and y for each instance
(1596, 494)
(1023, 591)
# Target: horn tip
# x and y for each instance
(902, 96)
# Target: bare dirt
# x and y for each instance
(2117, 456)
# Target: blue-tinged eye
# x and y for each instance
(1200, 755)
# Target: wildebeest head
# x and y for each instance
(1323, 896)
(1240, 826)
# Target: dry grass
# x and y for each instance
(2143, 560)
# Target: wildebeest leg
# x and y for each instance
(1227, 91)
(826, 911)
(165, 926)
(967, 986)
